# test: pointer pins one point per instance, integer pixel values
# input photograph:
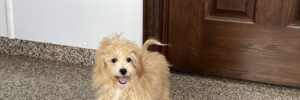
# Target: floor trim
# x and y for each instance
(48, 51)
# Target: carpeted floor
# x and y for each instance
(35, 79)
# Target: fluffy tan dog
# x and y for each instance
(124, 71)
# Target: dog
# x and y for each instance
(124, 71)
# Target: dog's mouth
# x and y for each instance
(123, 79)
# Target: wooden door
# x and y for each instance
(257, 40)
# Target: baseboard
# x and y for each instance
(48, 51)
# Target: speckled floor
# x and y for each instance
(35, 79)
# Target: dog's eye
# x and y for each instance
(128, 59)
(114, 60)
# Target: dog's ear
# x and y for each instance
(138, 64)
(100, 61)
(98, 70)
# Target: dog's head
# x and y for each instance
(118, 59)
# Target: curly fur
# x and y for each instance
(148, 73)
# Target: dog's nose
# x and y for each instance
(123, 71)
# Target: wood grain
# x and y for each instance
(257, 53)
(155, 22)
(275, 13)
(206, 40)
(185, 36)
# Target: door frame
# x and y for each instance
(155, 22)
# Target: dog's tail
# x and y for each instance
(150, 42)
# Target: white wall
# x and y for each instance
(3, 31)
(80, 23)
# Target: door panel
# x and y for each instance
(257, 40)
(295, 13)
(250, 52)
(231, 9)
(231, 5)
